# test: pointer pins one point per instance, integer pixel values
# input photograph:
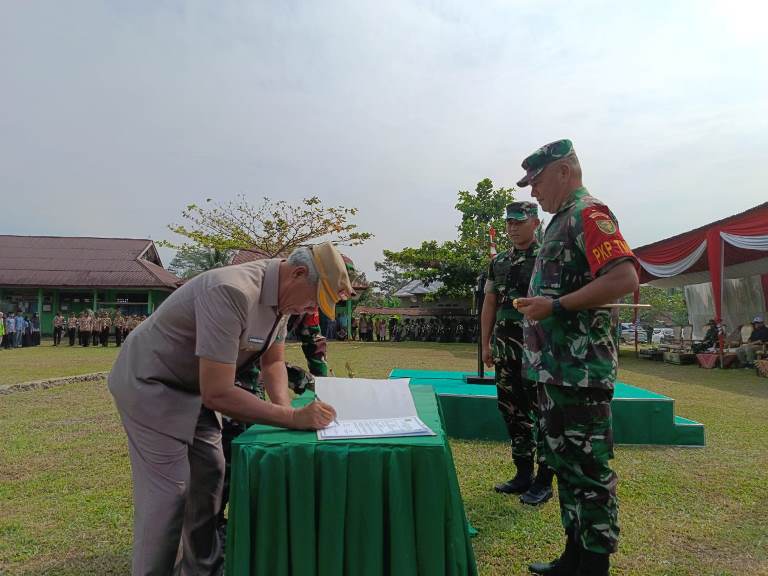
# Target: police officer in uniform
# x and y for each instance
(502, 346)
(176, 373)
(570, 350)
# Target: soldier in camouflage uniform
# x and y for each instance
(502, 344)
(570, 350)
(313, 343)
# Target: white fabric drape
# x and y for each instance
(675, 268)
(746, 242)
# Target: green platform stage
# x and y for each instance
(639, 416)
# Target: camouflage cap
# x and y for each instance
(522, 211)
(543, 157)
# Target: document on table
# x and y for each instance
(368, 408)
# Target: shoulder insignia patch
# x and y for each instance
(606, 226)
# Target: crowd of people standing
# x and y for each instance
(88, 328)
(18, 330)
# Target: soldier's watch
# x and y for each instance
(557, 307)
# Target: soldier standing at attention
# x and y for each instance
(81, 324)
(72, 328)
(89, 323)
(119, 328)
(58, 327)
(96, 327)
(106, 324)
(502, 344)
(570, 350)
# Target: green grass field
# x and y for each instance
(65, 481)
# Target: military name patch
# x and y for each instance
(254, 340)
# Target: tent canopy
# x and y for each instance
(734, 247)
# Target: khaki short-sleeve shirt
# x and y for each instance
(226, 315)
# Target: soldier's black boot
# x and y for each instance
(594, 564)
(566, 565)
(522, 480)
(540, 491)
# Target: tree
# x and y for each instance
(191, 260)
(377, 299)
(666, 305)
(457, 263)
(393, 277)
(271, 228)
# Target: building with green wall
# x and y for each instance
(45, 274)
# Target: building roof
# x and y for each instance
(418, 288)
(81, 262)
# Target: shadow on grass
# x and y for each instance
(108, 564)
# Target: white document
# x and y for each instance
(368, 408)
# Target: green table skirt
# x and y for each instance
(385, 506)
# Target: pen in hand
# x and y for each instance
(333, 422)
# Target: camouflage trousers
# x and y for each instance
(517, 401)
(314, 347)
(578, 443)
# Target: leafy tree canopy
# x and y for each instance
(191, 260)
(271, 228)
(666, 306)
(456, 263)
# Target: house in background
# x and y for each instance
(416, 294)
(46, 274)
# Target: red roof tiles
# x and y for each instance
(82, 262)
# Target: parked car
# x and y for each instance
(661, 334)
(628, 334)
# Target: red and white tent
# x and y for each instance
(735, 247)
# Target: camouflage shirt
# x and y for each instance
(575, 349)
(508, 277)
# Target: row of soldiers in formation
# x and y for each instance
(447, 329)
(433, 329)
(93, 328)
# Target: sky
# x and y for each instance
(116, 115)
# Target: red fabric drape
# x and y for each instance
(671, 250)
(715, 261)
(753, 224)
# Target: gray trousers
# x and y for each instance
(176, 497)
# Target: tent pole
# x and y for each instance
(634, 321)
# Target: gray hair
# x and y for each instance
(572, 161)
(302, 256)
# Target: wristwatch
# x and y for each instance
(557, 307)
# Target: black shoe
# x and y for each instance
(594, 564)
(566, 565)
(536, 495)
(522, 480)
(540, 491)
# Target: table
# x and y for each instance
(707, 360)
(379, 506)
(712, 359)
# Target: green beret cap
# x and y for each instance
(543, 157)
(522, 211)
